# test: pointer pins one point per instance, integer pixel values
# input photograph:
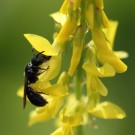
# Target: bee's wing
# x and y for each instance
(24, 94)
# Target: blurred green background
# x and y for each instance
(32, 16)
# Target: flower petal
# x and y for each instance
(63, 79)
(121, 54)
(68, 27)
(39, 85)
(64, 7)
(36, 118)
(93, 100)
(99, 4)
(97, 85)
(55, 90)
(77, 51)
(91, 68)
(105, 54)
(110, 33)
(108, 110)
(90, 62)
(90, 15)
(76, 4)
(106, 71)
(74, 119)
(20, 91)
(64, 130)
(54, 67)
(59, 17)
(41, 44)
(54, 104)
(41, 114)
(105, 20)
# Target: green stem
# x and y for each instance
(82, 41)
(79, 91)
(78, 83)
(79, 130)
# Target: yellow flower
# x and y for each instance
(110, 35)
(55, 97)
(70, 116)
(46, 112)
(69, 26)
(78, 43)
(105, 54)
(64, 130)
(104, 110)
(53, 94)
(89, 11)
(97, 20)
(76, 4)
(91, 64)
(77, 114)
(99, 4)
(93, 100)
(93, 72)
(41, 44)
(107, 110)
(67, 3)
(95, 14)
(64, 7)
(76, 107)
(105, 21)
(72, 113)
(59, 17)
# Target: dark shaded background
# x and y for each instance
(31, 16)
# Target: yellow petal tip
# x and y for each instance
(41, 44)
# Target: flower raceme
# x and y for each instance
(75, 97)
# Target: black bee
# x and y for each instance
(32, 70)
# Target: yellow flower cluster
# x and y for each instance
(96, 59)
